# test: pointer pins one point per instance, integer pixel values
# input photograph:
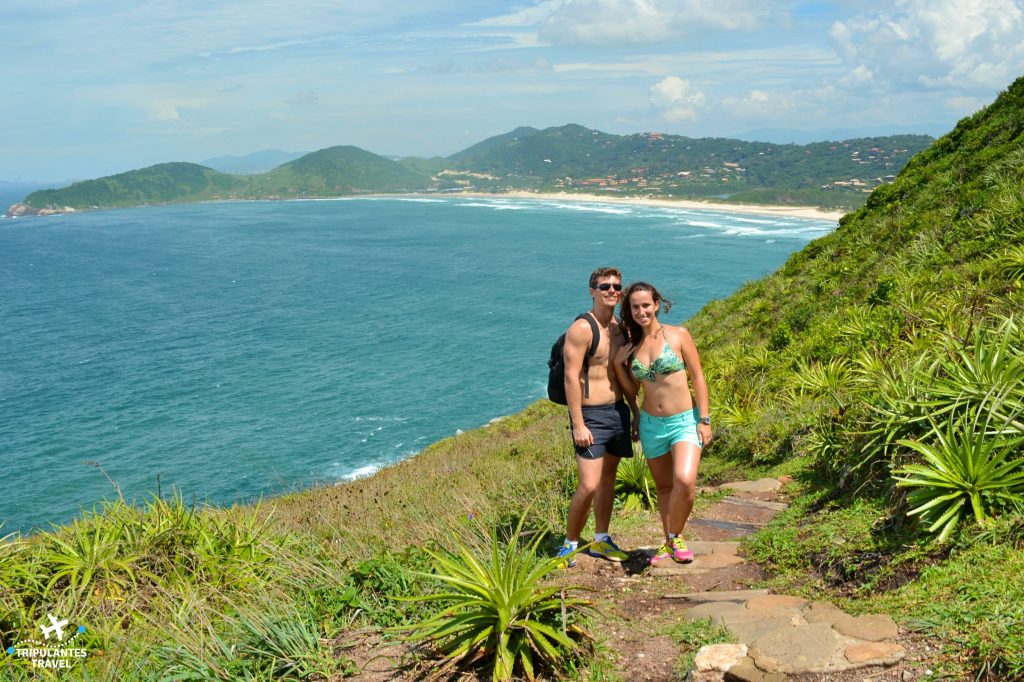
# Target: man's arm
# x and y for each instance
(577, 342)
(629, 386)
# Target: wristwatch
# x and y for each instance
(705, 420)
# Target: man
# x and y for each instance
(599, 419)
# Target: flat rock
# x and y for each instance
(761, 485)
(824, 612)
(702, 564)
(870, 627)
(701, 547)
(715, 610)
(746, 671)
(874, 653)
(759, 504)
(719, 657)
(810, 648)
(738, 596)
(748, 628)
(773, 603)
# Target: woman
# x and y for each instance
(674, 424)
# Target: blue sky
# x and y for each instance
(94, 87)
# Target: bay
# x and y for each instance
(241, 349)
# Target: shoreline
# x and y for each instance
(808, 212)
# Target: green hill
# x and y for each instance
(572, 157)
(162, 183)
(337, 171)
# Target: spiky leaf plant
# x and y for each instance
(500, 613)
(973, 467)
(634, 484)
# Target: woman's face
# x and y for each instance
(643, 307)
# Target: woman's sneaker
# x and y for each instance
(680, 552)
(607, 549)
(664, 552)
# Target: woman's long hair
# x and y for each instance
(634, 332)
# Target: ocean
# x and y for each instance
(239, 349)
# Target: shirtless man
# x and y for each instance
(599, 418)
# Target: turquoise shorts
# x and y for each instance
(659, 434)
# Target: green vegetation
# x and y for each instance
(163, 183)
(880, 366)
(691, 635)
(569, 158)
(336, 171)
(501, 612)
(574, 158)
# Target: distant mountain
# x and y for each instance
(803, 136)
(162, 183)
(257, 162)
(574, 158)
(337, 171)
(568, 158)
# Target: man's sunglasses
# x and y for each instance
(608, 285)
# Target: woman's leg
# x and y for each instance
(684, 459)
(662, 471)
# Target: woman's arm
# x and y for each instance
(689, 354)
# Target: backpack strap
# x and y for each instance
(595, 340)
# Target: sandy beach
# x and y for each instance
(755, 209)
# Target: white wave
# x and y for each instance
(496, 205)
(594, 208)
(362, 472)
(380, 419)
(421, 200)
(698, 223)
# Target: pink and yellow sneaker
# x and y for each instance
(663, 553)
(680, 552)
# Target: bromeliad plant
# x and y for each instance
(974, 467)
(500, 613)
(634, 484)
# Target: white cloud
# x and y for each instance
(969, 45)
(602, 23)
(676, 99)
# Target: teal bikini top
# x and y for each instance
(666, 363)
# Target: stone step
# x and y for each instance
(724, 596)
(760, 504)
(787, 635)
(738, 529)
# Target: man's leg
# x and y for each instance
(589, 471)
(604, 497)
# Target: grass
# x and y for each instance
(691, 635)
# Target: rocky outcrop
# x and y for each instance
(22, 210)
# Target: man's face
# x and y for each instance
(608, 290)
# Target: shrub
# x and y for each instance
(498, 612)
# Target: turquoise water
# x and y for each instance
(240, 349)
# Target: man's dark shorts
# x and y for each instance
(609, 424)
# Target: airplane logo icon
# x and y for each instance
(55, 626)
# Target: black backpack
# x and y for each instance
(556, 364)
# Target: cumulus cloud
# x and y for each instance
(931, 44)
(677, 99)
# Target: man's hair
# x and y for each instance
(604, 272)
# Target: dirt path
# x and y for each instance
(643, 607)
(782, 638)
